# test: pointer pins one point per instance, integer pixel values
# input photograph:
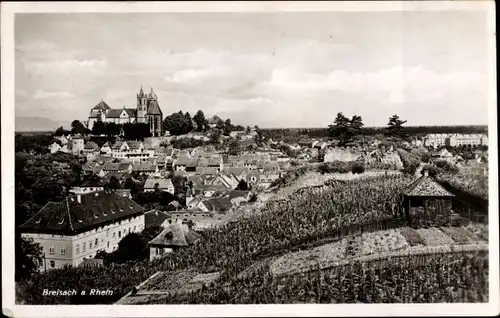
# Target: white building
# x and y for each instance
(79, 226)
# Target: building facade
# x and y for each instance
(147, 111)
(78, 227)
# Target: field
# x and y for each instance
(308, 217)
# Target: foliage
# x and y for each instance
(77, 127)
(183, 143)
(422, 153)
(410, 161)
(112, 129)
(234, 148)
(37, 143)
(345, 129)
(336, 167)
(200, 120)
(130, 248)
(113, 183)
(395, 126)
(178, 123)
(136, 131)
(99, 128)
(155, 199)
(242, 185)
(357, 168)
(340, 208)
(28, 258)
(446, 166)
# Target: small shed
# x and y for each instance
(427, 203)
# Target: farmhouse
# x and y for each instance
(175, 236)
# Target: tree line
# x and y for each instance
(182, 123)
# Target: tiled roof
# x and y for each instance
(206, 170)
(131, 112)
(177, 235)
(101, 105)
(425, 186)
(146, 166)
(71, 217)
(238, 194)
(91, 145)
(117, 144)
(163, 183)
(218, 204)
(92, 182)
(154, 218)
(135, 144)
(154, 108)
(114, 113)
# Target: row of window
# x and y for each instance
(62, 250)
(95, 244)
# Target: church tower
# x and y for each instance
(141, 106)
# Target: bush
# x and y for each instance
(358, 168)
(336, 167)
(432, 170)
(410, 161)
(446, 166)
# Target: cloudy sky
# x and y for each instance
(269, 69)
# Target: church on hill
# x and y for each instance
(147, 111)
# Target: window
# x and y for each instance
(77, 248)
(63, 250)
(108, 244)
(119, 234)
(51, 250)
(52, 264)
(96, 241)
(134, 228)
(84, 247)
(90, 245)
(114, 234)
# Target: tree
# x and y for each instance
(113, 183)
(28, 258)
(129, 183)
(239, 128)
(112, 129)
(234, 148)
(200, 120)
(249, 130)
(99, 128)
(136, 131)
(345, 129)
(177, 124)
(130, 248)
(59, 132)
(77, 127)
(242, 185)
(395, 127)
(189, 120)
(228, 127)
(215, 138)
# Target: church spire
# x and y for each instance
(141, 93)
(152, 94)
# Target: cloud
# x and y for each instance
(392, 80)
(41, 94)
(64, 66)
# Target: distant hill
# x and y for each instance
(34, 124)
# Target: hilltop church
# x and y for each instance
(147, 111)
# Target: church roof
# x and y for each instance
(131, 112)
(154, 108)
(102, 105)
(425, 186)
(141, 93)
(152, 94)
(114, 113)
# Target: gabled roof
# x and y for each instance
(154, 218)
(135, 144)
(218, 204)
(425, 186)
(145, 166)
(91, 146)
(154, 108)
(238, 194)
(114, 113)
(206, 170)
(176, 235)
(163, 183)
(92, 182)
(71, 217)
(131, 112)
(102, 105)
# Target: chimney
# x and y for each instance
(79, 198)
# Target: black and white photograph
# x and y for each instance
(249, 153)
